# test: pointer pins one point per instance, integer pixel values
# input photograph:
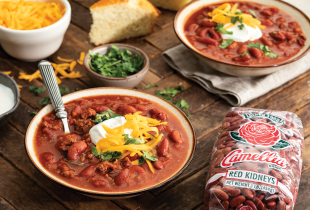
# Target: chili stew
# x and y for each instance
(282, 36)
(75, 159)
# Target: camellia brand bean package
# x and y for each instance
(256, 161)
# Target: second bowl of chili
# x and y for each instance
(279, 38)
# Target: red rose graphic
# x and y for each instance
(259, 133)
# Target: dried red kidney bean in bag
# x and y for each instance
(256, 161)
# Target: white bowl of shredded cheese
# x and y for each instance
(9, 99)
(32, 41)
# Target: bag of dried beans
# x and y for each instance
(256, 161)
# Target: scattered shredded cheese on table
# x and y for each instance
(72, 65)
(82, 56)
(7, 72)
(64, 59)
(59, 69)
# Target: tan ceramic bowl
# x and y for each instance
(235, 69)
(31, 131)
(127, 82)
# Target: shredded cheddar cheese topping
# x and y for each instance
(29, 15)
(224, 14)
(140, 127)
(135, 162)
(59, 69)
(150, 165)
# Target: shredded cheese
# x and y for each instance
(150, 165)
(82, 56)
(141, 127)
(7, 72)
(30, 77)
(64, 74)
(29, 15)
(126, 148)
(64, 59)
(72, 65)
(57, 78)
(63, 65)
(59, 69)
(225, 12)
(135, 162)
(125, 154)
(154, 142)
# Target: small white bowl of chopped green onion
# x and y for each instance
(116, 65)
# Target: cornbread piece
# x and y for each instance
(170, 4)
(115, 20)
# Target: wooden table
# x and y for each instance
(24, 187)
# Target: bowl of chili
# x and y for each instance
(116, 65)
(278, 36)
(158, 148)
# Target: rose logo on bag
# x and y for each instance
(259, 133)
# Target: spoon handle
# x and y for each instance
(50, 82)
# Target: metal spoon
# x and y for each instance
(49, 79)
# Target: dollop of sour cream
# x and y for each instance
(7, 101)
(247, 33)
(97, 132)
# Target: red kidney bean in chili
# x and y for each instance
(283, 35)
(69, 157)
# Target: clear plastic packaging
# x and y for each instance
(256, 161)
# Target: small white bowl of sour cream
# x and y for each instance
(9, 99)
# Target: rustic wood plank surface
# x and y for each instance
(24, 187)
(5, 205)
